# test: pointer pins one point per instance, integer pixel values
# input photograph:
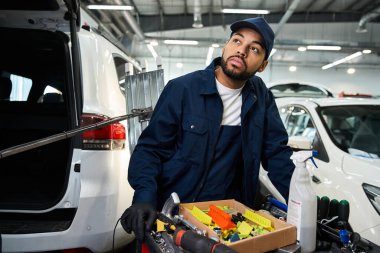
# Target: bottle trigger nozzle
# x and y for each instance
(314, 154)
(312, 160)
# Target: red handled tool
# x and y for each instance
(193, 242)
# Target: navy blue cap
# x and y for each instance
(262, 27)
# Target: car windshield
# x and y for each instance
(299, 90)
(354, 128)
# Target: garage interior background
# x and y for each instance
(351, 29)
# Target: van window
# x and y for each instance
(51, 95)
(20, 88)
(50, 89)
(120, 69)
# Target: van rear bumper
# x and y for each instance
(90, 229)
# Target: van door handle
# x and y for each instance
(316, 179)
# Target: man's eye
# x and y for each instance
(235, 41)
(254, 49)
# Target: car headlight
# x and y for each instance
(373, 194)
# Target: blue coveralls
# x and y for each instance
(175, 152)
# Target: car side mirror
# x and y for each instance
(299, 143)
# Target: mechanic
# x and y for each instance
(209, 132)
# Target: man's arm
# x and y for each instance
(276, 154)
(155, 145)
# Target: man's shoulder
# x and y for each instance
(258, 84)
(257, 81)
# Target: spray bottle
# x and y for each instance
(302, 204)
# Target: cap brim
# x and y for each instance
(244, 24)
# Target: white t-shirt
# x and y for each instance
(232, 101)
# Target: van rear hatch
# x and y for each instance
(36, 61)
(52, 15)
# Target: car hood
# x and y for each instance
(360, 167)
(49, 15)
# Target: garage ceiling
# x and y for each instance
(351, 24)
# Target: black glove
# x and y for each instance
(138, 218)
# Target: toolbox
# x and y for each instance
(282, 235)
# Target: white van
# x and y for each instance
(68, 195)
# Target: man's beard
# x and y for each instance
(245, 75)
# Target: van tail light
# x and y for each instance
(110, 137)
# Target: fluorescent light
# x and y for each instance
(197, 20)
(330, 48)
(215, 45)
(154, 43)
(350, 57)
(179, 65)
(292, 68)
(181, 42)
(110, 7)
(351, 71)
(366, 51)
(302, 49)
(152, 51)
(209, 55)
(245, 11)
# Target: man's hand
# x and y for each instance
(138, 218)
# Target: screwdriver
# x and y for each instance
(193, 242)
(323, 208)
(333, 208)
(344, 212)
(333, 212)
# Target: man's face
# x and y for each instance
(243, 55)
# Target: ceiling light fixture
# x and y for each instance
(197, 14)
(181, 42)
(209, 55)
(351, 71)
(245, 11)
(292, 68)
(302, 49)
(152, 51)
(328, 48)
(110, 7)
(366, 51)
(154, 43)
(197, 21)
(340, 61)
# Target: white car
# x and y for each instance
(295, 89)
(346, 134)
(67, 195)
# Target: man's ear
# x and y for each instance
(263, 66)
